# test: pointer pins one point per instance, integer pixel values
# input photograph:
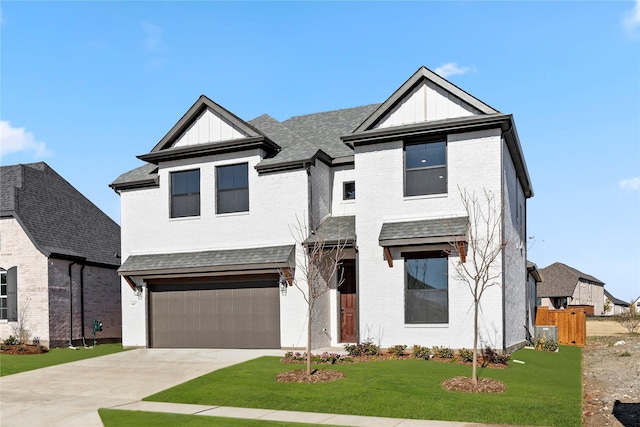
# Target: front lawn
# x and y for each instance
(546, 390)
(13, 363)
(120, 418)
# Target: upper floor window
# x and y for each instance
(232, 188)
(349, 190)
(185, 193)
(426, 298)
(425, 168)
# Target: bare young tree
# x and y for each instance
(480, 266)
(317, 270)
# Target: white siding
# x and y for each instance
(425, 103)
(209, 127)
(339, 206)
(474, 163)
(276, 202)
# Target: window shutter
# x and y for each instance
(12, 294)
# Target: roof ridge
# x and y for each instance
(333, 111)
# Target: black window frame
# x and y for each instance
(4, 312)
(348, 194)
(184, 195)
(424, 175)
(412, 295)
(239, 192)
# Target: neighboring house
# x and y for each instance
(58, 259)
(564, 286)
(206, 224)
(614, 305)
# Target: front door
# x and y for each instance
(348, 301)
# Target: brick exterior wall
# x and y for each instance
(16, 249)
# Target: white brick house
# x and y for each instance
(206, 224)
(58, 260)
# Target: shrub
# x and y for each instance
(466, 355)
(444, 352)
(365, 348)
(543, 343)
(397, 350)
(629, 320)
(324, 358)
(489, 355)
(11, 340)
(420, 352)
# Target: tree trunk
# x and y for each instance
(309, 339)
(474, 375)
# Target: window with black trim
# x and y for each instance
(3, 295)
(185, 193)
(425, 168)
(349, 190)
(426, 298)
(232, 188)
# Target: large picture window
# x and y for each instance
(185, 193)
(425, 168)
(426, 288)
(233, 188)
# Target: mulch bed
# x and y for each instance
(464, 384)
(22, 349)
(317, 376)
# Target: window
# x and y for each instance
(349, 190)
(185, 193)
(426, 288)
(425, 168)
(3, 295)
(233, 188)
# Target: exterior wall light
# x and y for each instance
(283, 285)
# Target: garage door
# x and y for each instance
(231, 314)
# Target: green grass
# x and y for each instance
(118, 418)
(14, 363)
(546, 390)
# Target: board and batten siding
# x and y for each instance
(425, 103)
(209, 127)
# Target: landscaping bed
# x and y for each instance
(22, 349)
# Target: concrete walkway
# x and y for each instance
(70, 395)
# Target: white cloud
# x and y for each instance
(631, 18)
(152, 37)
(630, 184)
(18, 139)
(450, 69)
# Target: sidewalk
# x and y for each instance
(289, 416)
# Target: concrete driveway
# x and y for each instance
(70, 394)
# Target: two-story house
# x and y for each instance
(207, 224)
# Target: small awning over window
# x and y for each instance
(335, 230)
(232, 261)
(424, 232)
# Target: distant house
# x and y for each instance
(564, 286)
(615, 305)
(206, 224)
(58, 259)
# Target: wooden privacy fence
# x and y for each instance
(571, 323)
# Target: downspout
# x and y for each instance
(504, 284)
(71, 305)
(82, 303)
(310, 198)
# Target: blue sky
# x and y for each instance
(87, 86)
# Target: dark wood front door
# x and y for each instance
(348, 303)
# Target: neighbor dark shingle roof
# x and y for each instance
(408, 231)
(274, 256)
(560, 280)
(615, 300)
(57, 217)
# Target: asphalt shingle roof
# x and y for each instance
(145, 173)
(427, 228)
(560, 280)
(336, 229)
(59, 219)
(615, 300)
(276, 255)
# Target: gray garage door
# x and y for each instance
(233, 314)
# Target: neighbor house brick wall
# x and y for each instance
(16, 249)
